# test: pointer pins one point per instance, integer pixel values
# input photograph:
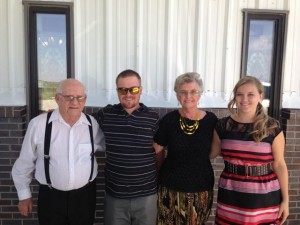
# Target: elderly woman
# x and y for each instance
(186, 178)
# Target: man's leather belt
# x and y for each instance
(248, 170)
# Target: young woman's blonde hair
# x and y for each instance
(263, 125)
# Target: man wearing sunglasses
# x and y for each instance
(58, 147)
(130, 170)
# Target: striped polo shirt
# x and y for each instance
(130, 170)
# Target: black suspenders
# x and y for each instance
(47, 148)
(93, 150)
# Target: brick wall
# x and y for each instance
(291, 125)
(13, 126)
(12, 130)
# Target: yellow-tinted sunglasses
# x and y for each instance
(132, 90)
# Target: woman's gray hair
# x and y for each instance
(188, 78)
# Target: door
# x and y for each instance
(49, 54)
(262, 56)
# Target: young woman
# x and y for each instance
(253, 188)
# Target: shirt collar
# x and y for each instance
(57, 116)
(140, 109)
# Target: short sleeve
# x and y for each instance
(274, 123)
(161, 136)
(221, 127)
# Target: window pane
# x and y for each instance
(51, 56)
(260, 52)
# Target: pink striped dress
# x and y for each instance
(246, 200)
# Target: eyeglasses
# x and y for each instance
(70, 98)
(186, 93)
(132, 90)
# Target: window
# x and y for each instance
(262, 53)
(50, 53)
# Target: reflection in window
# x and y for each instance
(51, 50)
(260, 50)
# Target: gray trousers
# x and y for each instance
(135, 211)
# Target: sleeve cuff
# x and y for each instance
(24, 194)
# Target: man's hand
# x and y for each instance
(25, 206)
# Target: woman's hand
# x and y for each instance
(283, 212)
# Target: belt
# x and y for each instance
(248, 170)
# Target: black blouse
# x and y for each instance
(187, 167)
(228, 128)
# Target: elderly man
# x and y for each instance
(59, 147)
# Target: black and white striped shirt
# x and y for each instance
(130, 170)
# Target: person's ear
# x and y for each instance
(141, 89)
(57, 97)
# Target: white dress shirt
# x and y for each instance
(70, 154)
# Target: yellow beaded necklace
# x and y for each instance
(186, 128)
